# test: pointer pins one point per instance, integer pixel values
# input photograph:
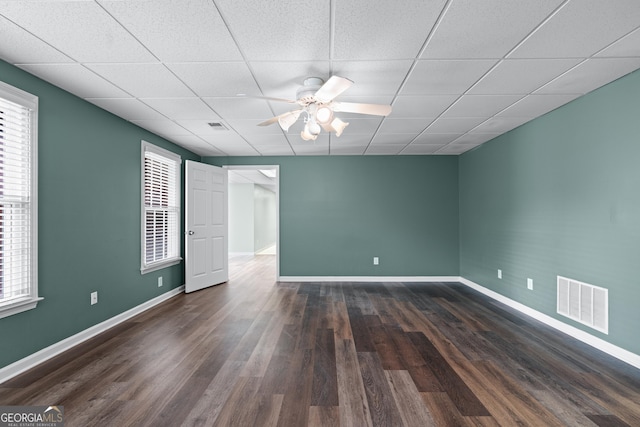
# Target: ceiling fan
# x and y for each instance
(316, 99)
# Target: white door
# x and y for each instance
(206, 226)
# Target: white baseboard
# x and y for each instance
(422, 279)
(47, 353)
(611, 349)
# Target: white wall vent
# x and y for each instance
(584, 303)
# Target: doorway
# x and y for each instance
(254, 215)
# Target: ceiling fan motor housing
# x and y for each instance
(310, 86)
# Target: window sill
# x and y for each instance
(18, 306)
(160, 265)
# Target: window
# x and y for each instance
(18, 207)
(160, 208)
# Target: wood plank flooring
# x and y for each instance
(253, 352)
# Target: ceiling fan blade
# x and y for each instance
(288, 117)
(353, 107)
(332, 88)
(271, 121)
(269, 98)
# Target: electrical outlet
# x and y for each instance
(530, 284)
(94, 298)
(499, 274)
(376, 260)
(159, 281)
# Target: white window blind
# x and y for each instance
(161, 208)
(18, 148)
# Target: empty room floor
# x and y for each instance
(256, 352)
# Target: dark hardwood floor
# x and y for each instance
(256, 352)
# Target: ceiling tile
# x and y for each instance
(202, 127)
(188, 30)
(422, 106)
(384, 149)
(242, 151)
(454, 124)
(486, 29)
(189, 139)
(417, 149)
(372, 78)
(414, 126)
(216, 78)
(162, 127)
(347, 150)
(448, 77)
(127, 108)
(475, 138)
(19, 46)
(480, 105)
(76, 79)
(361, 140)
(384, 31)
(499, 124)
(521, 76)
(258, 140)
(275, 150)
(296, 30)
(231, 144)
(591, 74)
(625, 47)
(196, 145)
(436, 138)
(312, 150)
(143, 80)
(535, 105)
(182, 108)
(240, 108)
(250, 126)
(90, 34)
(581, 28)
(364, 125)
(282, 79)
(393, 139)
(454, 149)
(455, 72)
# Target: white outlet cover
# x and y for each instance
(376, 260)
(499, 274)
(94, 298)
(530, 284)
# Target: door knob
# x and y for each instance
(191, 233)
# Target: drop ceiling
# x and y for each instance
(457, 73)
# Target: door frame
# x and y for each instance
(277, 168)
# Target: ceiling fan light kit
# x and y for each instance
(316, 99)
(324, 114)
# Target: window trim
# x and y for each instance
(147, 268)
(29, 101)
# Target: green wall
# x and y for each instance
(338, 212)
(560, 196)
(89, 220)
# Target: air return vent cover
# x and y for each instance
(584, 303)
(217, 126)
